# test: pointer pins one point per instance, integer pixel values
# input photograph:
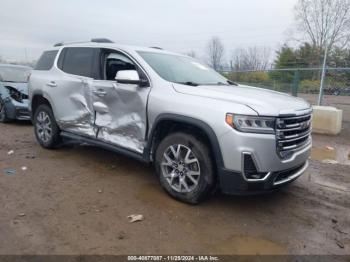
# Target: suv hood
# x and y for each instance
(264, 102)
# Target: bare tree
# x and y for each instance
(215, 53)
(251, 58)
(324, 22)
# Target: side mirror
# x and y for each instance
(130, 77)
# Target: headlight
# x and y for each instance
(15, 94)
(251, 124)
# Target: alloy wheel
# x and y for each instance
(2, 110)
(181, 169)
(43, 126)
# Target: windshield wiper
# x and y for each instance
(188, 83)
(227, 83)
(232, 83)
(222, 84)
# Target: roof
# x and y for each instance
(15, 66)
(114, 46)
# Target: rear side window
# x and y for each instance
(46, 60)
(77, 61)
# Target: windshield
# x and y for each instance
(14, 74)
(182, 69)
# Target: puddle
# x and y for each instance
(246, 245)
(340, 154)
(323, 153)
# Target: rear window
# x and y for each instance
(46, 60)
(77, 61)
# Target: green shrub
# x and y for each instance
(250, 77)
(309, 86)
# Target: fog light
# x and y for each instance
(250, 170)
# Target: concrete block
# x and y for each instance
(327, 120)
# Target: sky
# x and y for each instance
(27, 27)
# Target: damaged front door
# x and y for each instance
(120, 109)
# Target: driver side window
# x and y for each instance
(114, 62)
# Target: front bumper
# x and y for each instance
(234, 183)
(262, 148)
(17, 110)
(273, 171)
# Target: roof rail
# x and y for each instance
(101, 40)
(93, 40)
(58, 44)
(156, 47)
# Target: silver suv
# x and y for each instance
(200, 130)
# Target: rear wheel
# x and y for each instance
(3, 117)
(185, 168)
(46, 128)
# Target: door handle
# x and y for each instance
(51, 84)
(100, 107)
(99, 92)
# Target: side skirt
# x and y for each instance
(107, 146)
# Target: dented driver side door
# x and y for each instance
(120, 109)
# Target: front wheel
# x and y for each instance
(3, 117)
(185, 167)
(46, 129)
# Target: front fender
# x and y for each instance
(205, 127)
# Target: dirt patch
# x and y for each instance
(77, 199)
(247, 245)
(154, 195)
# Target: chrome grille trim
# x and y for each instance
(292, 133)
(296, 137)
(298, 172)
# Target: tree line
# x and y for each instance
(320, 25)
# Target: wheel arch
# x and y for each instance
(37, 99)
(169, 123)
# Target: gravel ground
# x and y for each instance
(76, 199)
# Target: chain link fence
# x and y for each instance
(296, 80)
(303, 82)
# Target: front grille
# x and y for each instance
(292, 134)
(22, 112)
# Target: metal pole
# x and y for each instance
(320, 97)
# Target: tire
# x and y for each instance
(196, 168)
(3, 117)
(46, 129)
